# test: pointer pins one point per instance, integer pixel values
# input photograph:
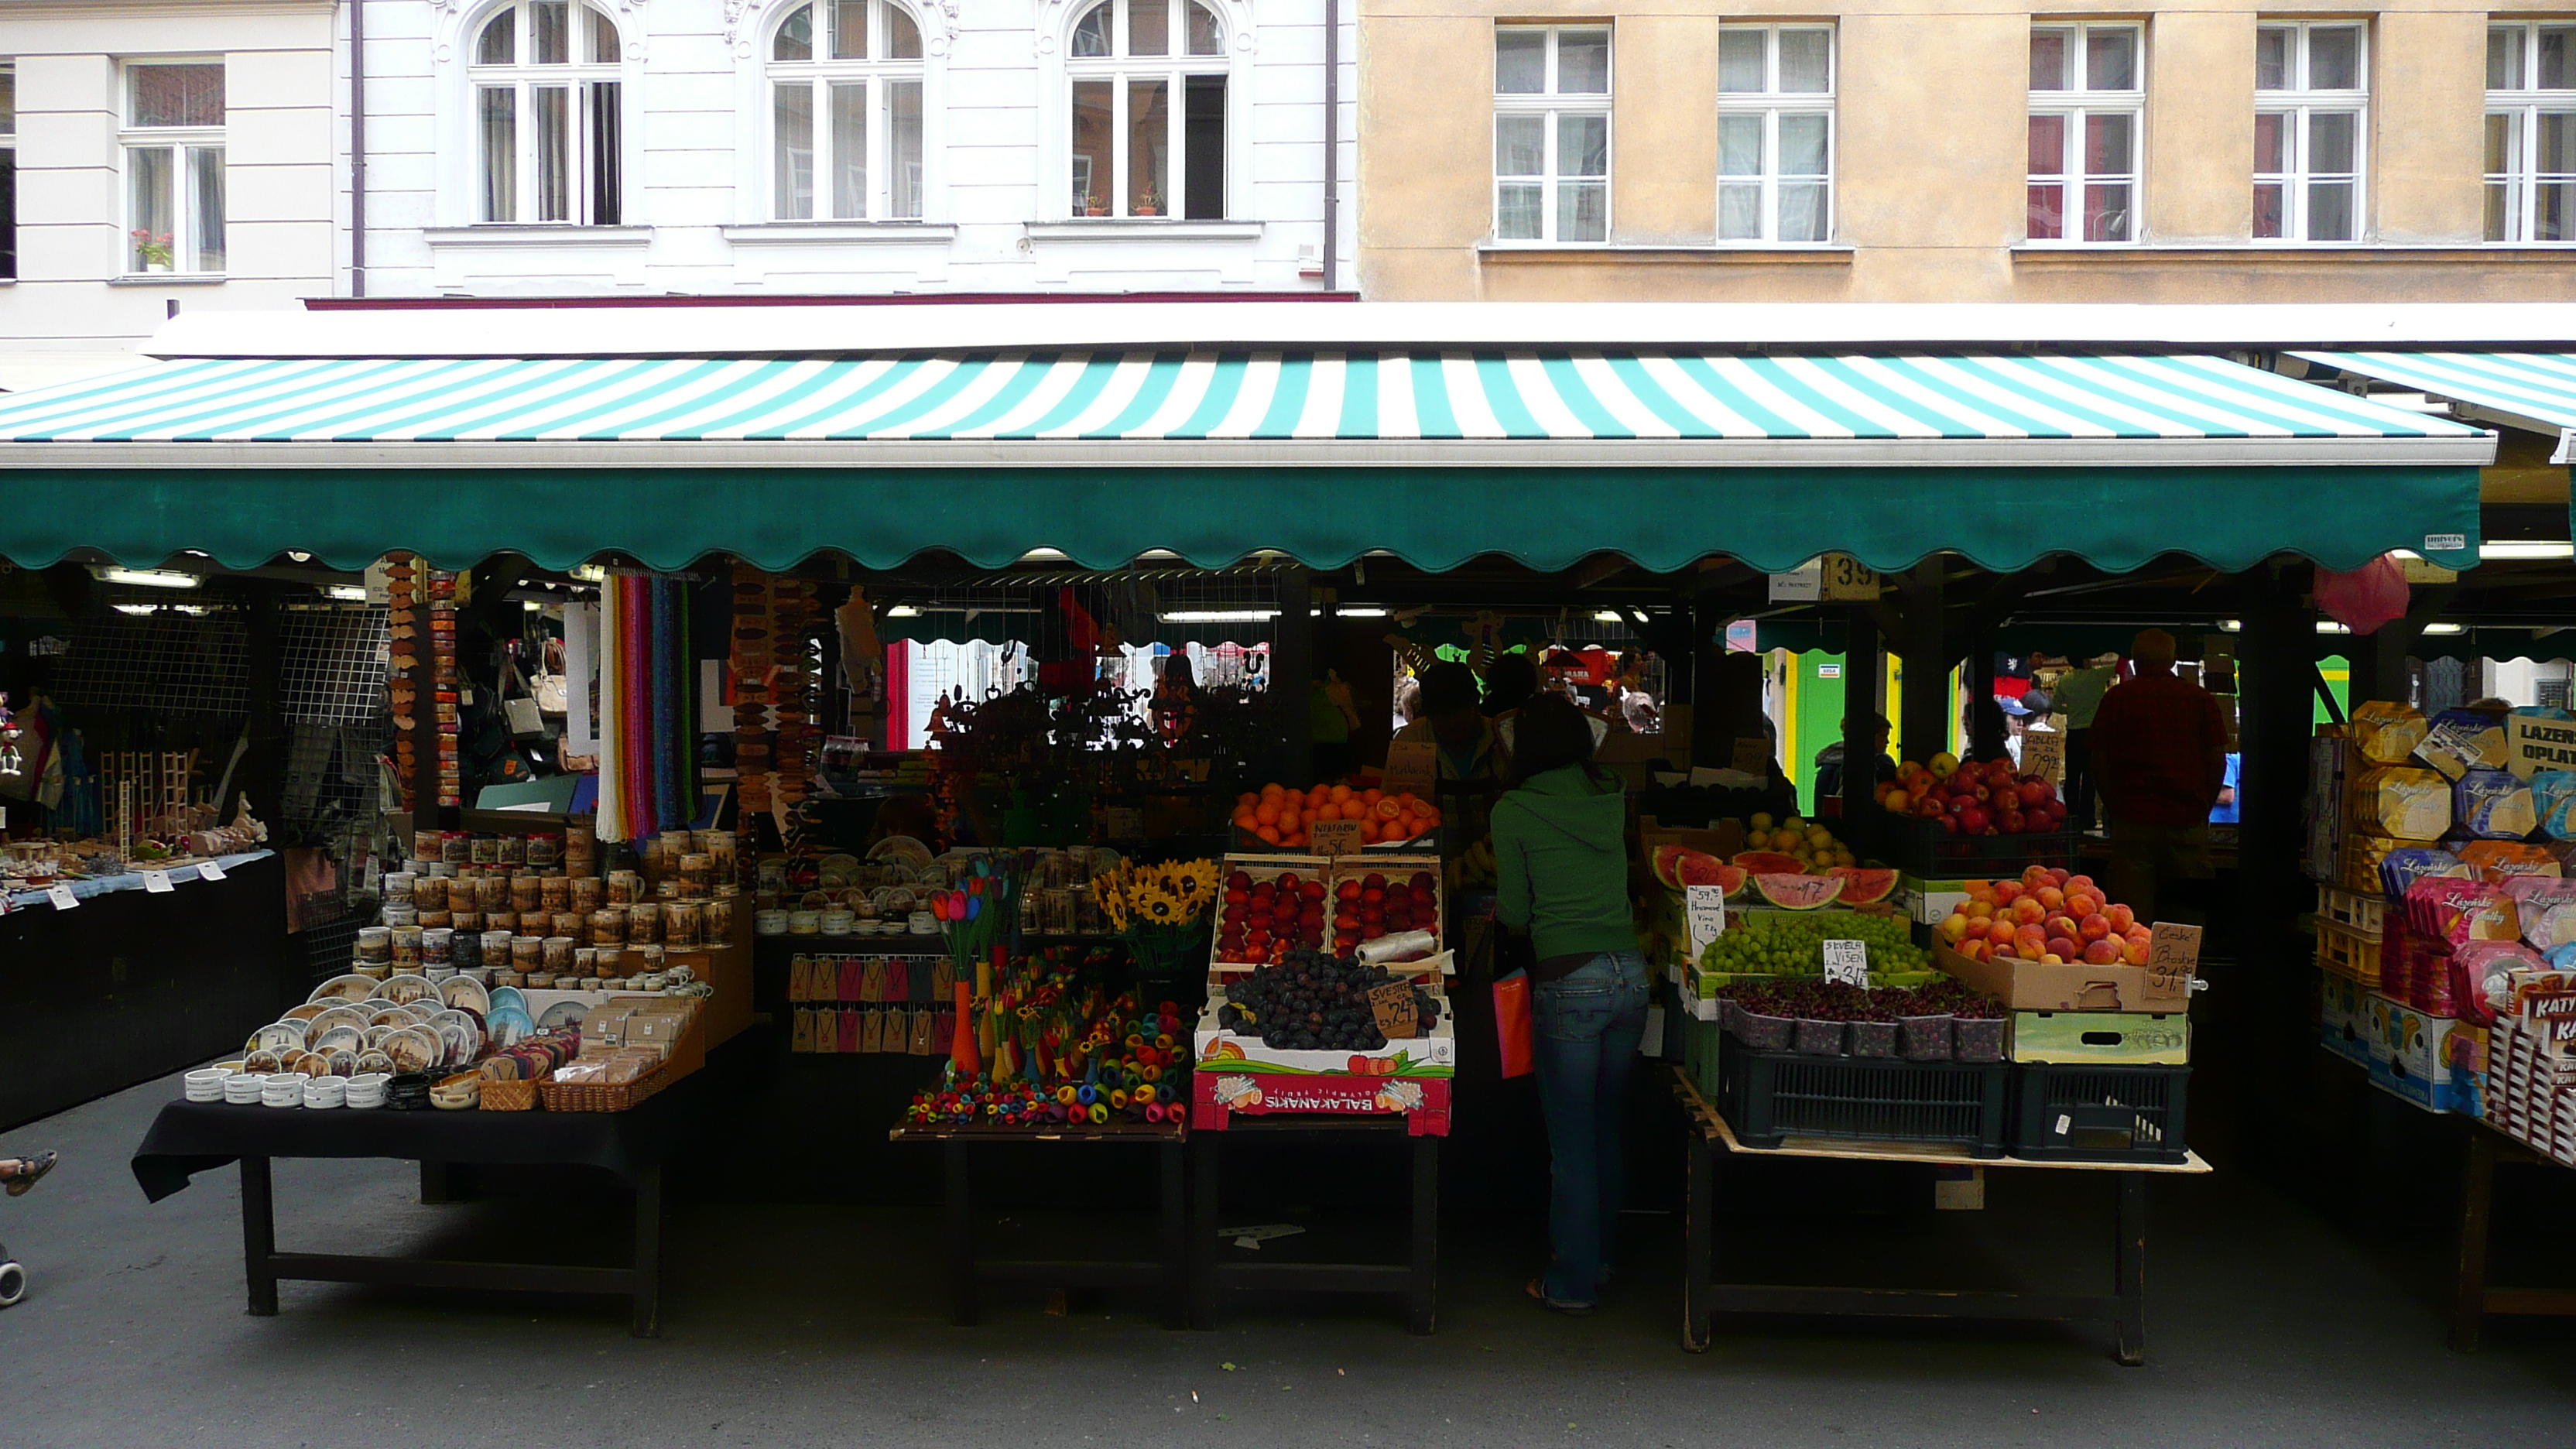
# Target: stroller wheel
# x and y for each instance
(13, 1283)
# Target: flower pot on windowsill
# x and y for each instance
(1149, 211)
(1095, 209)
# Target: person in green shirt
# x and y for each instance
(1560, 848)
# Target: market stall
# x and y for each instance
(699, 442)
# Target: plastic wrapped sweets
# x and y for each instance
(2401, 803)
(2492, 805)
(2387, 732)
(2408, 864)
(2497, 859)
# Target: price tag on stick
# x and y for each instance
(209, 870)
(157, 883)
(1335, 837)
(1847, 962)
(60, 893)
(1412, 768)
(1704, 913)
(1397, 1017)
(2173, 953)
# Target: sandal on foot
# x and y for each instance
(28, 1170)
(1537, 1291)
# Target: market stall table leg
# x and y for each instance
(1417, 1279)
(1711, 1142)
(2474, 1298)
(967, 1273)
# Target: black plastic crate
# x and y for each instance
(2085, 1113)
(1768, 1096)
(1923, 848)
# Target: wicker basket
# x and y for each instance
(509, 1096)
(686, 1057)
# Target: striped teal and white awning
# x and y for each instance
(1547, 456)
(1080, 409)
(2532, 390)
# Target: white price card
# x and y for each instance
(60, 893)
(1704, 912)
(210, 870)
(1847, 962)
(157, 882)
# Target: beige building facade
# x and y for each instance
(1926, 150)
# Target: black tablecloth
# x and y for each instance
(193, 1137)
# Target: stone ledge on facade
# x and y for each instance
(2052, 253)
(838, 233)
(1826, 254)
(512, 234)
(1140, 228)
(161, 279)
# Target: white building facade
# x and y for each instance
(731, 147)
(177, 153)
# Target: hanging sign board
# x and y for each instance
(1412, 768)
(2043, 753)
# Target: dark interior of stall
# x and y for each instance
(271, 686)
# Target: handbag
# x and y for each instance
(1512, 1023)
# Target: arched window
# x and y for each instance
(1148, 82)
(548, 122)
(845, 113)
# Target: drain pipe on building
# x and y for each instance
(1332, 144)
(357, 148)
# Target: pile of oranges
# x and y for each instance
(1281, 816)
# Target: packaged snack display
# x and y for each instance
(2497, 859)
(2455, 912)
(2553, 801)
(2408, 864)
(2481, 977)
(2402, 803)
(2492, 805)
(2460, 741)
(2386, 732)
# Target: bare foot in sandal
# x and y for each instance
(20, 1173)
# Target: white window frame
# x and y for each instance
(523, 76)
(1552, 105)
(188, 146)
(2513, 114)
(2078, 102)
(1174, 69)
(881, 72)
(1772, 103)
(9, 147)
(2299, 103)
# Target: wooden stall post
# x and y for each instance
(1925, 729)
(1862, 669)
(1292, 675)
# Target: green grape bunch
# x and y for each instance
(1792, 943)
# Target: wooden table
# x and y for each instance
(1704, 1297)
(967, 1272)
(2475, 1298)
(1416, 1280)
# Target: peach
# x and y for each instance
(1954, 928)
(2101, 953)
(1979, 910)
(2029, 911)
(2094, 927)
(2122, 918)
(2057, 877)
(2006, 892)
(2078, 883)
(2063, 948)
(2062, 925)
(2138, 932)
(2051, 897)
(2003, 930)
(2080, 904)
(2135, 952)
(1976, 950)
(2035, 877)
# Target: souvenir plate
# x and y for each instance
(310, 1064)
(414, 1049)
(278, 1036)
(374, 1004)
(468, 1022)
(467, 993)
(563, 1014)
(306, 1012)
(422, 1010)
(509, 1025)
(507, 998)
(344, 1063)
(339, 1038)
(374, 1061)
(352, 988)
(338, 1016)
(261, 1063)
(902, 848)
(402, 990)
(391, 1017)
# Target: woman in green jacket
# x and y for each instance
(1559, 840)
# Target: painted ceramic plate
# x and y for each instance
(344, 1063)
(311, 1064)
(306, 1012)
(339, 1016)
(261, 1062)
(466, 1021)
(374, 1061)
(391, 1017)
(352, 987)
(466, 992)
(414, 1049)
(421, 1011)
(563, 1014)
(402, 990)
(279, 1036)
(507, 998)
(339, 1038)
(374, 1004)
(904, 848)
(509, 1025)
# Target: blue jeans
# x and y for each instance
(1584, 1029)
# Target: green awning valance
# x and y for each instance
(1664, 458)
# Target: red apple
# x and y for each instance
(1973, 819)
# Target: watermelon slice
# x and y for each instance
(1770, 862)
(1679, 865)
(1735, 878)
(1798, 892)
(1862, 885)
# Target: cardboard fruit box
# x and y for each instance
(1433, 1054)
(2075, 986)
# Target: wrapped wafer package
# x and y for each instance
(2401, 803)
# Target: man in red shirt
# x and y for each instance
(2160, 753)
